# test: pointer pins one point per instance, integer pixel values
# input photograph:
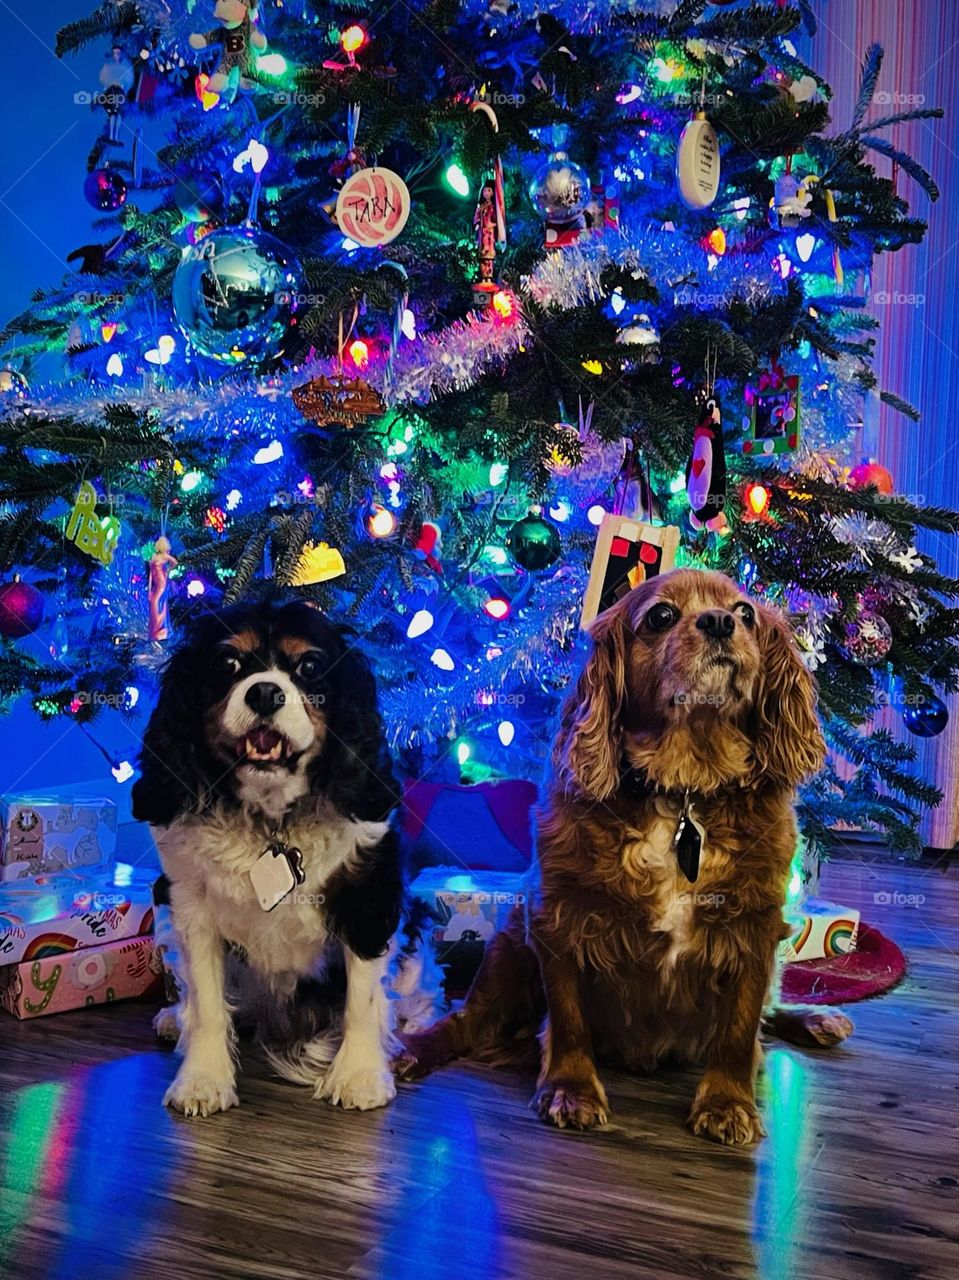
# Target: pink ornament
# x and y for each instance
(161, 562)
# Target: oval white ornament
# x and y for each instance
(372, 207)
(697, 163)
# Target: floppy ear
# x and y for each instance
(355, 769)
(787, 742)
(172, 781)
(589, 744)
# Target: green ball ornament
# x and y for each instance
(235, 293)
(534, 543)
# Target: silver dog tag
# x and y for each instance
(276, 871)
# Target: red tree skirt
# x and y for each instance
(876, 965)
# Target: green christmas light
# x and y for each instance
(457, 180)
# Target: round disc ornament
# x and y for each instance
(697, 163)
(372, 207)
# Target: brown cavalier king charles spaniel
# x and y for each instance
(664, 849)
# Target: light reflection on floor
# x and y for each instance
(76, 1144)
(782, 1164)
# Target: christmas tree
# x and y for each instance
(414, 302)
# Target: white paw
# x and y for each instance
(166, 1024)
(357, 1085)
(198, 1094)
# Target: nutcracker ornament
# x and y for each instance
(161, 563)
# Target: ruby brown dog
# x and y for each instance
(664, 847)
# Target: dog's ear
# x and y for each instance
(355, 770)
(171, 780)
(589, 745)
(787, 742)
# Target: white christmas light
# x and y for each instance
(122, 771)
(440, 658)
(420, 623)
(271, 452)
(805, 245)
(595, 514)
(506, 732)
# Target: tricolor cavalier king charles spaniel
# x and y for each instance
(268, 786)
(664, 848)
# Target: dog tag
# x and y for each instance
(688, 842)
(276, 871)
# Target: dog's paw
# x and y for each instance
(357, 1086)
(731, 1121)
(195, 1093)
(827, 1029)
(571, 1104)
(166, 1025)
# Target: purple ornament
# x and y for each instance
(21, 609)
(105, 190)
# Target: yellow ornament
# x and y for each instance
(97, 538)
(317, 564)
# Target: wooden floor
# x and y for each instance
(458, 1179)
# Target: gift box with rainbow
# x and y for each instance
(43, 834)
(820, 930)
(54, 915)
(93, 975)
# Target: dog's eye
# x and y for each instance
(228, 664)
(747, 614)
(661, 617)
(311, 666)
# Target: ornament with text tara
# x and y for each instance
(372, 207)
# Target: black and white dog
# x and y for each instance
(267, 782)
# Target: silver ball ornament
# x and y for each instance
(235, 294)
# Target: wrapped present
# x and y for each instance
(468, 908)
(94, 975)
(820, 929)
(54, 915)
(486, 826)
(41, 834)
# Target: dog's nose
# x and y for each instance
(718, 624)
(265, 698)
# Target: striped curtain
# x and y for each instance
(915, 292)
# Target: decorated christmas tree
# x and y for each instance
(453, 317)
